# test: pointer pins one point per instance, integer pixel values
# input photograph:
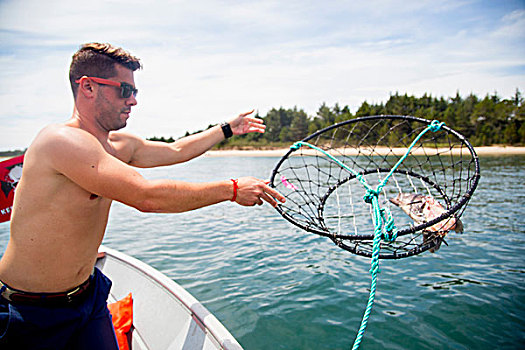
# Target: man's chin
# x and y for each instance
(119, 126)
(124, 120)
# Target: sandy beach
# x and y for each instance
(481, 151)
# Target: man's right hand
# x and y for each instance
(254, 191)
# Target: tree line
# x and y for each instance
(484, 121)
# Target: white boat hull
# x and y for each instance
(165, 315)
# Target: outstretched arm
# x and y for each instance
(81, 158)
(146, 154)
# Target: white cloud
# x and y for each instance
(205, 61)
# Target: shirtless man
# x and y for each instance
(72, 172)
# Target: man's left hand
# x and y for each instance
(244, 124)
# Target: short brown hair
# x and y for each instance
(98, 60)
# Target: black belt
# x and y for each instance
(45, 299)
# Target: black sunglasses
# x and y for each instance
(126, 89)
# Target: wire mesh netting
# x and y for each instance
(325, 198)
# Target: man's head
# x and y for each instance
(99, 60)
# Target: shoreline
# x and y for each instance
(280, 152)
(481, 151)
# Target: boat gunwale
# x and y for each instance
(203, 317)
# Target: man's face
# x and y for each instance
(113, 110)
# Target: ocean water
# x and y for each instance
(276, 287)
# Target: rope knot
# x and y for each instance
(435, 125)
(369, 195)
(295, 146)
(390, 231)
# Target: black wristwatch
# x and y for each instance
(227, 130)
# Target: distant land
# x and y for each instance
(9, 154)
(491, 121)
(486, 121)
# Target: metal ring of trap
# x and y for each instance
(443, 164)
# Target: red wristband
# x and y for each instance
(235, 188)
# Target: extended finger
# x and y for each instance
(257, 128)
(273, 193)
(268, 199)
(247, 113)
(254, 120)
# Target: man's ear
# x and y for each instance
(86, 88)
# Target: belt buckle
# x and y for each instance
(6, 292)
(71, 294)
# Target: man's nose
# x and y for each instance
(131, 101)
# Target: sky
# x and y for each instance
(206, 61)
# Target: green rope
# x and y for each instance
(384, 226)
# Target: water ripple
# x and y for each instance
(277, 287)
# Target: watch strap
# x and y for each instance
(227, 130)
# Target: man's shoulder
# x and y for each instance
(59, 135)
(60, 143)
(119, 136)
(62, 130)
(125, 145)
